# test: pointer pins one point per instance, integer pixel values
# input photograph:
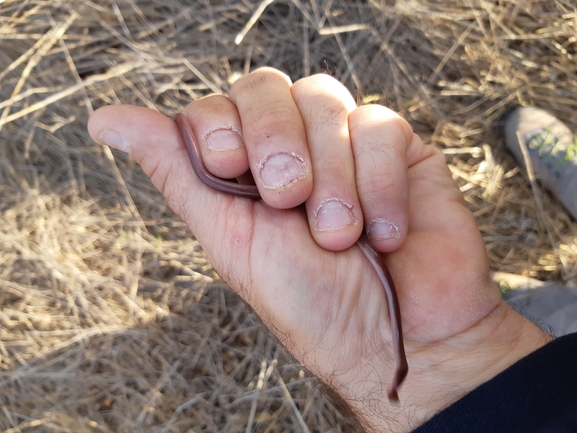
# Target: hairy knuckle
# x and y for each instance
(309, 90)
(247, 83)
(318, 81)
(254, 81)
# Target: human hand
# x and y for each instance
(351, 167)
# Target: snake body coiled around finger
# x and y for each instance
(251, 191)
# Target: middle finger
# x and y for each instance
(335, 216)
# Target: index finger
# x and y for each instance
(275, 137)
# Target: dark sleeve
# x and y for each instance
(537, 394)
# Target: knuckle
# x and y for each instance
(248, 83)
(381, 117)
(208, 106)
(321, 81)
(324, 86)
(333, 113)
(401, 128)
(256, 80)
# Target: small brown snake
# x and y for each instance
(251, 191)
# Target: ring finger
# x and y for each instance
(380, 140)
(334, 214)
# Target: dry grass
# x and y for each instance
(111, 319)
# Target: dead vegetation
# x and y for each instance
(111, 318)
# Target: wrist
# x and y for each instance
(443, 372)
(469, 359)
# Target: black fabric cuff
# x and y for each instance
(536, 394)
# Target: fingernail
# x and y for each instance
(223, 138)
(115, 139)
(281, 170)
(381, 229)
(333, 214)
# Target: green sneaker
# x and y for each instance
(552, 150)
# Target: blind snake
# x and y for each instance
(251, 191)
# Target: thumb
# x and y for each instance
(154, 142)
